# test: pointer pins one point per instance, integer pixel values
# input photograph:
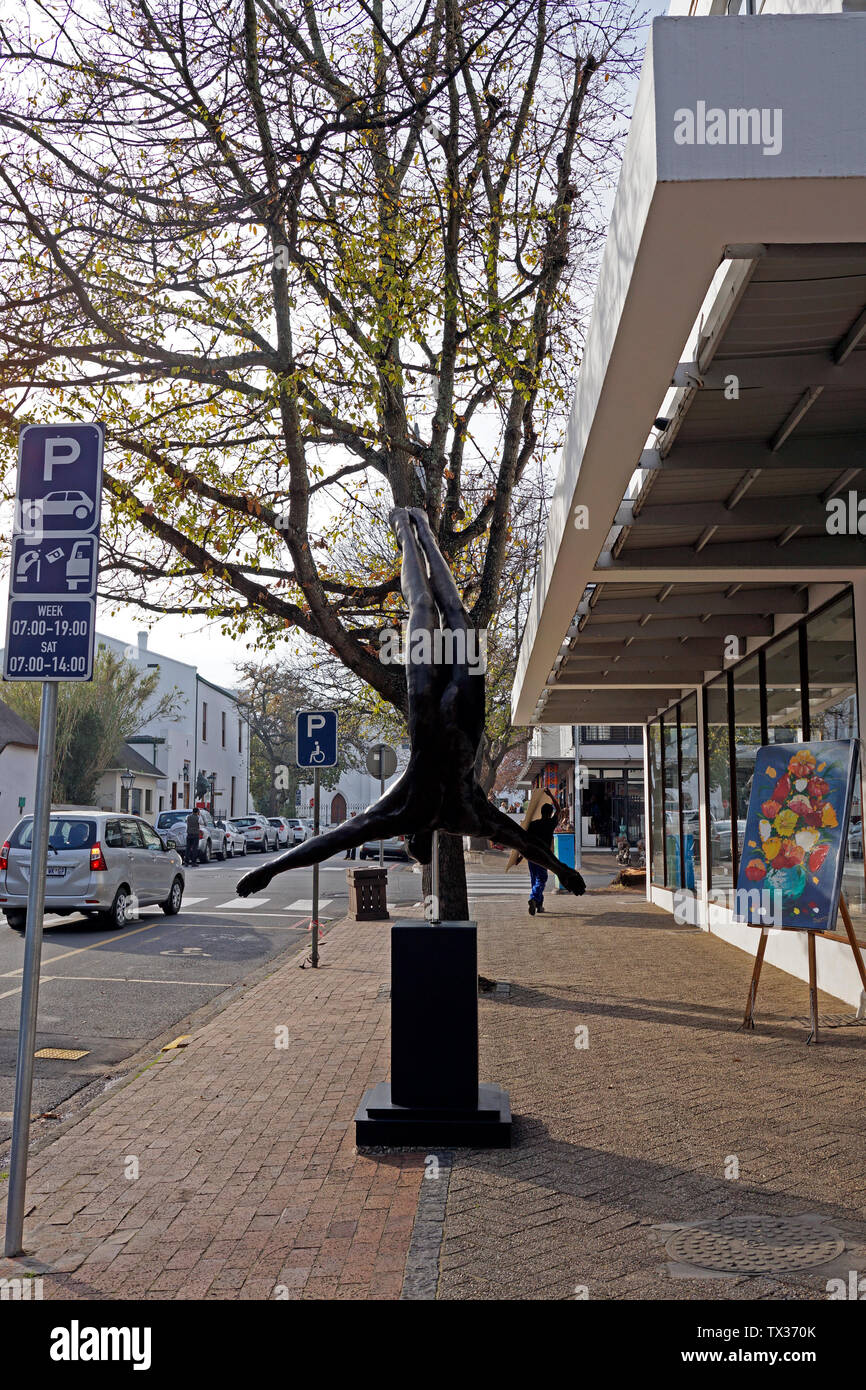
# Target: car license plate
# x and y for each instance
(56, 873)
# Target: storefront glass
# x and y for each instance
(830, 659)
(784, 690)
(656, 801)
(672, 799)
(719, 784)
(691, 843)
(747, 738)
(767, 692)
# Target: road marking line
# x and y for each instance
(306, 904)
(188, 902)
(244, 904)
(280, 915)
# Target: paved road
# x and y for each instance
(109, 994)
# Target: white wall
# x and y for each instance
(220, 757)
(183, 740)
(17, 778)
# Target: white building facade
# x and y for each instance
(209, 736)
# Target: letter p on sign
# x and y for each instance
(57, 452)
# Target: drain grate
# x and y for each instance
(754, 1245)
(60, 1054)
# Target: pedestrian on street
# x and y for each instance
(541, 830)
(193, 830)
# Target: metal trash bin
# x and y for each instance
(368, 894)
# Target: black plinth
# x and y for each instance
(434, 1097)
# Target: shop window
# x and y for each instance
(747, 739)
(691, 796)
(719, 785)
(654, 733)
(784, 690)
(670, 744)
(832, 685)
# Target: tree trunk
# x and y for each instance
(453, 900)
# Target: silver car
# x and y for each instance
(100, 863)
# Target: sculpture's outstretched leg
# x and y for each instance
(387, 816)
(497, 826)
(466, 671)
(423, 680)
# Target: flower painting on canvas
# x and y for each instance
(796, 831)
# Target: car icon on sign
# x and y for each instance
(76, 504)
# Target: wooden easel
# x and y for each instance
(749, 1016)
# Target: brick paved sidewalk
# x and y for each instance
(249, 1186)
(637, 1130)
(248, 1177)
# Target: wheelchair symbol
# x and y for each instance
(317, 756)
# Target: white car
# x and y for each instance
(100, 863)
(283, 829)
(236, 840)
(259, 832)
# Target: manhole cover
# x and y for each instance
(754, 1245)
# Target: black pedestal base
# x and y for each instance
(488, 1126)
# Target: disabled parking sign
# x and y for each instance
(316, 741)
(55, 553)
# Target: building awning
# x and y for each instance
(720, 402)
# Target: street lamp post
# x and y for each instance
(127, 780)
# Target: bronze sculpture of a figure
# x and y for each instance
(439, 789)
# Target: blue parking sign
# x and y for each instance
(55, 553)
(316, 738)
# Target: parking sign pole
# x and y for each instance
(314, 955)
(30, 976)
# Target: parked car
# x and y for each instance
(723, 829)
(855, 837)
(299, 830)
(283, 827)
(236, 840)
(211, 838)
(99, 863)
(394, 848)
(257, 829)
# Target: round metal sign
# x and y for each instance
(381, 760)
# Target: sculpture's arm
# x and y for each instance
(385, 817)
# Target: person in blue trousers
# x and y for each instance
(540, 830)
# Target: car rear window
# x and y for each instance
(245, 822)
(64, 832)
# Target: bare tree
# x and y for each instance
(299, 258)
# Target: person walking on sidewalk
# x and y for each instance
(541, 831)
(193, 830)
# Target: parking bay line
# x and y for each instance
(134, 980)
(77, 950)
